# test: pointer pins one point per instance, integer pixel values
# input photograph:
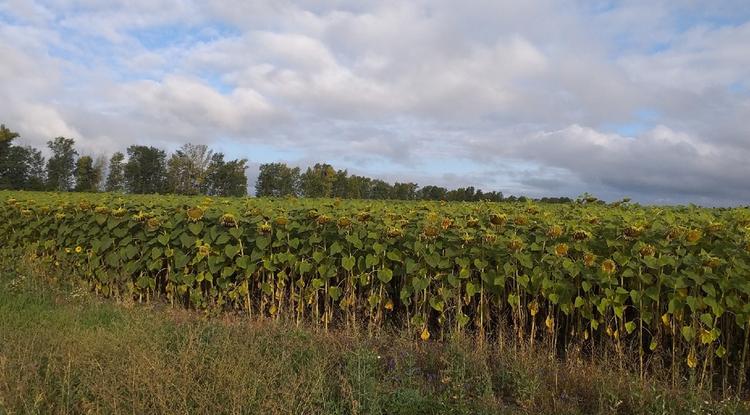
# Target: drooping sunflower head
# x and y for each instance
(554, 231)
(363, 216)
(195, 214)
(395, 232)
(693, 235)
(312, 214)
(101, 209)
(84, 205)
(228, 220)
(204, 250)
(281, 221)
(472, 222)
(674, 233)
(515, 244)
(589, 259)
(561, 250)
(498, 219)
(521, 220)
(467, 238)
(647, 250)
(59, 216)
(609, 266)
(265, 228)
(711, 262)
(446, 223)
(344, 222)
(322, 219)
(26, 212)
(581, 235)
(153, 224)
(490, 237)
(119, 212)
(632, 232)
(431, 231)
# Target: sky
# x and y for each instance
(642, 99)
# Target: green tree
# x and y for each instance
(226, 178)
(359, 187)
(85, 174)
(404, 191)
(380, 190)
(61, 165)
(146, 170)
(431, 192)
(341, 186)
(23, 169)
(276, 180)
(115, 178)
(317, 181)
(187, 169)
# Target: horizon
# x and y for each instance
(647, 100)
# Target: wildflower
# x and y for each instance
(425, 334)
(78, 249)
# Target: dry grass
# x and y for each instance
(62, 351)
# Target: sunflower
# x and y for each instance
(521, 220)
(446, 223)
(561, 250)
(589, 259)
(472, 222)
(228, 220)
(281, 221)
(389, 305)
(490, 237)
(119, 212)
(363, 216)
(581, 235)
(647, 250)
(153, 224)
(554, 232)
(101, 209)
(195, 214)
(264, 228)
(344, 222)
(515, 244)
(609, 266)
(431, 231)
(693, 236)
(632, 232)
(498, 219)
(533, 307)
(425, 334)
(395, 232)
(204, 250)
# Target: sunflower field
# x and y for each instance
(647, 283)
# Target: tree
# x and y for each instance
(226, 178)
(277, 180)
(380, 189)
(318, 180)
(7, 162)
(6, 140)
(86, 175)
(23, 168)
(432, 193)
(404, 191)
(187, 169)
(115, 178)
(61, 165)
(100, 166)
(360, 187)
(146, 170)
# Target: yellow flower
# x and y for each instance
(665, 320)
(425, 334)
(79, 249)
(692, 359)
(693, 235)
(589, 259)
(68, 250)
(549, 322)
(195, 214)
(228, 220)
(389, 305)
(533, 308)
(647, 250)
(609, 266)
(554, 231)
(561, 249)
(446, 223)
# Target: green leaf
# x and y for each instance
(195, 228)
(385, 275)
(630, 327)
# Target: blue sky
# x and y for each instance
(641, 99)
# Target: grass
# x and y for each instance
(64, 351)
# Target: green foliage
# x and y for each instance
(116, 176)
(146, 170)
(61, 165)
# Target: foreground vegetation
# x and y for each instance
(663, 291)
(63, 350)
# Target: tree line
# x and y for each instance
(196, 169)
(191, 170)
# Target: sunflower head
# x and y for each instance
(84, 205)
(533, 308)
(467, 238)
(647, 250)
(344, 222)
(446, 223)
(711, 262)
(204, 250)
(521, 220)
(363, 216)
(264, 228)
(101, 209)
(389, 305)
(515, 244)
(78, 249)
(609, 266)
(674, 233)
(632, 232)
(561, 250)
(554, 232)
(153, 224)
(195, 214)
(714, 227)
(425, 334)
(431, 231)
(281, 221)
(228, 220)
(119, 212)
(693, 236)
(59, 216)
(581, 235)
(472, 222)
(322, 219)
(395, 232)
(490, 237)
(589, 259)
(498, 219)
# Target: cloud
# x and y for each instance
(537, 98)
